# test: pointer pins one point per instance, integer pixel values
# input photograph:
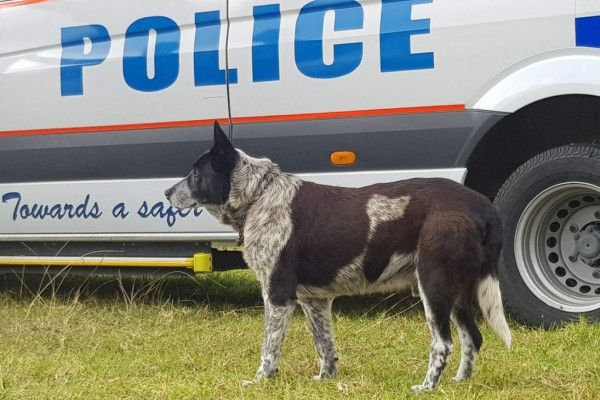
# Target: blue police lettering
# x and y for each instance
(206, 51)
(394, 38)
(265, 43)
(166, 56)
(88, 46)
(74, 57)
(308, 42)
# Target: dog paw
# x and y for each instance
(246, 383)
(416, 389)
(325, 375)
(257, 378)
(457, 379)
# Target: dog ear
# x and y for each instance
(222, 153)
(221, 142)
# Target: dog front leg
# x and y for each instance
(277, 322)
(318, 313)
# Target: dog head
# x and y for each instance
(209, 182)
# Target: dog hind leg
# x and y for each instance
(470, 339)
(437, 312)
(318, 313)
(277, 322)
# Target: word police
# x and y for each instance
(156, 40)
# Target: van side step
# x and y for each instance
(104, 257)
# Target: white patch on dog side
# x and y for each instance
(397, 263)
(350, 279)
(384, 209)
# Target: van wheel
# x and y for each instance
(550, 262)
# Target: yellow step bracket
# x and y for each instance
(202, 262)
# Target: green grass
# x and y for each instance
(183, 338)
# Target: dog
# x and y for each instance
(309, 243)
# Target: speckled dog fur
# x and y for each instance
(309, 243)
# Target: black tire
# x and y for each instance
(550, 208)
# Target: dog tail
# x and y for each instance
(490, 301)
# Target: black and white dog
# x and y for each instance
(309, 243)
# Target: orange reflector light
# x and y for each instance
(342, 158)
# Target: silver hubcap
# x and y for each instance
(557, 246)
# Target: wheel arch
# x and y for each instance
(540, 76)
(533, 129)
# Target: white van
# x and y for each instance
(105, 104)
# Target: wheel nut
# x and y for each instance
(572, 258)
(597, 214)
(596, 274)
(573, 228)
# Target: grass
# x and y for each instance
(183, 338)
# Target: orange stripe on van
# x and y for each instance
(110, 128)
(16, 3)
(238, 120)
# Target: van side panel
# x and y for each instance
(364, 56)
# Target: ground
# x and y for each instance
(184, 338)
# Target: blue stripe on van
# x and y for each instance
(587, 31)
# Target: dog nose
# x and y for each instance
(168, 192)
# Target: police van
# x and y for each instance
(105, 104)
